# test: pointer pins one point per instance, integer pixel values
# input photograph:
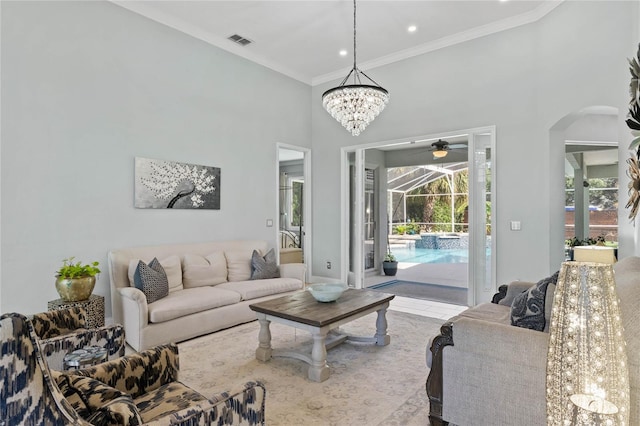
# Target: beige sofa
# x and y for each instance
(194, 306)
(484, 371)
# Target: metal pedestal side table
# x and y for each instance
(85, 357)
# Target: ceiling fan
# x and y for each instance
(441, 148)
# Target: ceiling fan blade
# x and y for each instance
(458, 145)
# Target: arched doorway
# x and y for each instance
(583, 179)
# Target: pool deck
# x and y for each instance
(446, 274)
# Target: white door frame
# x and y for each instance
(306, 204)
(479, 287)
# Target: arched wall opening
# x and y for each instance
(575, 141)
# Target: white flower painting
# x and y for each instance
(169, 185)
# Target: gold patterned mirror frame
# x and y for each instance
(633, 121)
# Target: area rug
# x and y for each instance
(438, 293)
(369, 385)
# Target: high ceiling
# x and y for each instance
(302, 38)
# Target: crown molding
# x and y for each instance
(473, 33)
(194, 31)
(144, 9)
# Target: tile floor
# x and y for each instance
(454, 274)
(448, 274)
(426, 308)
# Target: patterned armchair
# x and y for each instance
(136, 389)
(65, 330)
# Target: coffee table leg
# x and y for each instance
(319, 370)
(382, 338)
(264, 351)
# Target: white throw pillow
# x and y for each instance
(171, 266)
(239, 264)
(199, 271)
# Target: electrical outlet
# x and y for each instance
(328, 265)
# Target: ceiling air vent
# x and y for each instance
(240, 40)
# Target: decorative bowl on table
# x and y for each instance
(327, 292)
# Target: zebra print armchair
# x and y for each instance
(136, 389)
(65, 330)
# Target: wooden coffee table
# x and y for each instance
(302, 311)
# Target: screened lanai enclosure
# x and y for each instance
(428, 198)
(428, 209)
(427, 212)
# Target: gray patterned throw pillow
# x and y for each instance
(152, 280)
(263, 267)
(527, 309)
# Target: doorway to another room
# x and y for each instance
(293, 204)
(421, 207)
(428, 220)
(587, 208)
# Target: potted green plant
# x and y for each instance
(576, 242)
(75, 281)
(390, 264)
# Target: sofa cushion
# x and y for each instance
(263, 267)
(198, 271)
(190, 301)
(238, 264)
(514, 288)
(172, 267)
(168, 398)
(260, 288)
(151, 280)
(487, 312)
(528, 308)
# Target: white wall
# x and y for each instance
(88, 86)
(523, 81)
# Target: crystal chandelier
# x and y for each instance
(355, 105)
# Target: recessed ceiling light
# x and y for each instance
(343, 52)
(412, 28)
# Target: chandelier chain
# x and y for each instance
(356, 105)
(354, 34)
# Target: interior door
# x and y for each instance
(481, 218)
(356, 218)
(369, 231)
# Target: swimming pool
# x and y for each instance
(424, 255)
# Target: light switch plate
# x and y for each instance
(515, 225)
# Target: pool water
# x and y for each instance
(423, 255)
